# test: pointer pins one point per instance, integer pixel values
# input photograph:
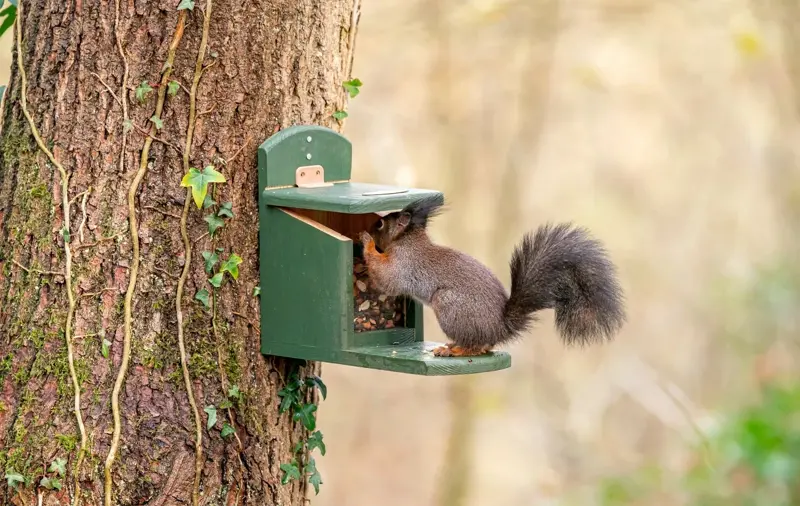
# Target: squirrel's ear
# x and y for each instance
(404, 219)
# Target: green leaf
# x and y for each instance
(13, 478)
(234, 393)
(352, 87)
(315, 478)
(212, 416)
(340, 115)
(227, 430)
(291, 472)
(105, 347)
(226, 210)
(202, 295)
(256, 291)
(172, 88)
(225, 404)
(316, 380)
(186, 4)
(143, 90)
(231, 265)
(306, 416)
(208, 202)
(298, 447)
(10, 15)
(211, 260)
(199, 181)
(157, 122)
(51, 483)
(315, 441)
(289, 397)
(216, 281)
(214, 223)
(65, 234)
(59, 466)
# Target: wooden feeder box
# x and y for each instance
(310, 218)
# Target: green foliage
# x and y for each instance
(186, 4)
(13, 478)
(226, 210)
(231, 265)
(227, 430)
(199, 180)
(752, 459)
(353, 87)
(143, 90)
(211, 411)
(172, 88)
(51, 483)
(106, 346)
(214, 223)
(234, 393)
(340, 115)
(210, 260)
(8, 15)
(291, 472)
(256, 291)
(203, 296)
(216, 280)
(59, 466)
(157, 122)
(293, 396)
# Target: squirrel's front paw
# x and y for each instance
(366, 239)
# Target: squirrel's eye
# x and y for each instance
(380, 225)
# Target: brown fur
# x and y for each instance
(559, 267)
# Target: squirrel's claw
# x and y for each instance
(366, 238)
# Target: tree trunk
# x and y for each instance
(268, 65)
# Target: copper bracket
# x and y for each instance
(310, 176)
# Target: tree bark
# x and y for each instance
(268, 65)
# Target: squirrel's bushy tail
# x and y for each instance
(563, 268)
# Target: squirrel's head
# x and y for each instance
(413, 217)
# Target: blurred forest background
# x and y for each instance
(671, 129)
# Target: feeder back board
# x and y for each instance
(310, 216)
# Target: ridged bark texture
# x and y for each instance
(270, 64)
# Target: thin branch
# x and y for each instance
(241, 148)
(83, 214)
(93, 244)
(108, 88)
(37, 271)
(97, 294)
(166, 272)
(165, 213)
(159, 139)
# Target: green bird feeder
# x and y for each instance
(310, 217)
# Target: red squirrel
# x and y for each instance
(558, 267)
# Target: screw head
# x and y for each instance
(308, 156)
(302, 174)
(308, 139)
(318, 173)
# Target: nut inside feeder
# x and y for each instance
(373, 310)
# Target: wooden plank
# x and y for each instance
(346, 198)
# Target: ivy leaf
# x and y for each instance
(13, 478)
(127, 125)
(306, 416)
(352, 87)
(10, 15)
(51, 483)
(172, 88)
(226, 210)
(211, 260)
(315, 441)
(256, 291)
(105, 347)
(199, 181)
(212, 416)
(208, 202)
(186, 4)
(316, 380)
(234, 393)
(340, 115)
(289, 397)
(143, 90)
(59, 466)
(298, 447)
(231, 265)
(315, 478)
(213, 223)
(202, 296)
(227, 430)
(216, 281)
(157, 122)
(65, 234)
(291, 472)
(225, 404)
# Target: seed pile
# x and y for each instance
(373, 310)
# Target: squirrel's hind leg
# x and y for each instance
(454, 350)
